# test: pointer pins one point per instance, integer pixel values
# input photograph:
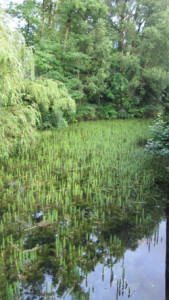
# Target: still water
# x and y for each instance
(144, 273)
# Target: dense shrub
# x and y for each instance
(52, 99)
(107, 112)
(159, 144)
(86, 111)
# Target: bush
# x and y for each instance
(122, 114)
(150, 110)
(136, 112)
(86, 112)
(159, 144)
(52, 99)
(107, 112)
(52, 119)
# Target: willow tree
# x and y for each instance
(24, 101)
(16, 63)
(60, 48)
(17, 122)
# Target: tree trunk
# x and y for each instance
(43, 16)
(27, 33)
(66, 35)
(50, 14)
(99, 99)
(56, 9)
(122, 27)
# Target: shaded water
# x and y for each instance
(82, 217)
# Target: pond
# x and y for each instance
(81, 216)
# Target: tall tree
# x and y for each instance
(131, 36)
(139, 31)
(97, 67)
(28, 15)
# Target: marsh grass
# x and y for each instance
(84, 196)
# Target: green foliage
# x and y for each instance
(75, 87)
(118, 91)
(98, 50)
(26, 103)
(16, 63)
(17, 129)
(53, 119)
(107, 112)
(136, 112)
(48, 94)
(52, 99)
(17, 121)
(122, 114)
(28, 15)
(86, 112)
(159, 144)
(98, 56)
(156, 80)
(103, 51)
(151, 110)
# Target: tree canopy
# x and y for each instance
(110, 51)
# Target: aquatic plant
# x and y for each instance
(73, 202)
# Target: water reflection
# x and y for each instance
(144, 272)
(167, 254)
(137, 274)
